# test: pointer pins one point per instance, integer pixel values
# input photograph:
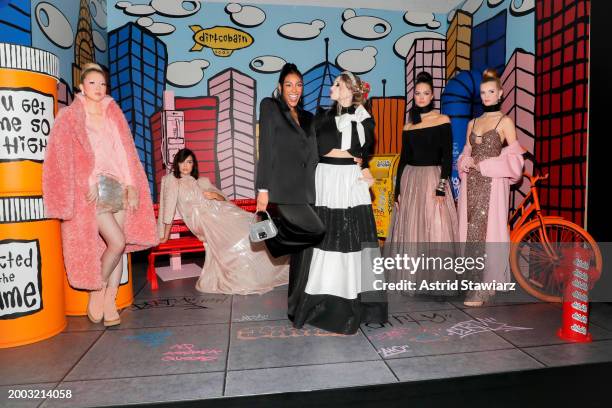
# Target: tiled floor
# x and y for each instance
(178, 344)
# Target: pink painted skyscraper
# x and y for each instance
(235, 146)
(518, 82)
(426, 54)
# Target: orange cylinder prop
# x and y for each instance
(31, 262)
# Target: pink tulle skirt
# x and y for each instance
(421, 225)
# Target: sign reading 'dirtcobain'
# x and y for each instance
(20, 278)
(26, 116)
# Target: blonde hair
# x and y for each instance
(490, 75)
(89, 68)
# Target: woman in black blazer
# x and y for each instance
(288, 158)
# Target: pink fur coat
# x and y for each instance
(69, 160)
(504, 170)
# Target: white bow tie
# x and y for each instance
(343, 123)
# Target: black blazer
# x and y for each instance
(287, 154)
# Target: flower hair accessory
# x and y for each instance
(365, 89)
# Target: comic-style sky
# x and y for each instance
(367, 41)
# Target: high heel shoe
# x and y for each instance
(111, 316)
(95, 305)
(473, 303)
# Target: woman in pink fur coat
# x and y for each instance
(487, 169)
(94, 182)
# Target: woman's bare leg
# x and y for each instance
(110, 227)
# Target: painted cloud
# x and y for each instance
(267, 64)
(135, 9)
(98, 12)
(357, 61)
(301, 31)
(184, 74)
(245, 16)
(99, 41)
(176, 8)
(420, 19)
(166, 8)
(526, 7)
(54, 25)
(155, 27)
(364, 27)
(470, 6)
(403, 44)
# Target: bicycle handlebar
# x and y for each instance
(534, 179)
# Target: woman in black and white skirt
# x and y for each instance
(335, 291)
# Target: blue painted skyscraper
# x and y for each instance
(16, 22)
(489, 44)
(138, 63)
(317, 83)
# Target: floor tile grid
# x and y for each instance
(383, 359)
(467, 311)
(74, 365)
(229, 345)
(463, 352)
(524, 349)
(227, 371)
(231, 323)
(456, 306)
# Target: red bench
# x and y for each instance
(185, 243)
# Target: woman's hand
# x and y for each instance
(367, 177)
(132, 198)
(358, 160)
(212, 195)
(92, 194)
(262, 201)
(166, 235)
(467, 164)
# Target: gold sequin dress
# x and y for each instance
(484, 146)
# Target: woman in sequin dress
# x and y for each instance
(233, 264)
(487, 169)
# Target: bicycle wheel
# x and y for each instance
(532, 265)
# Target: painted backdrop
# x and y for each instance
(219, 59)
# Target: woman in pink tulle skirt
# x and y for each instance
(425, 220)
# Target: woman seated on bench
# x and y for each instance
(232, 264)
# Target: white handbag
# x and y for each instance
(262, 230)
